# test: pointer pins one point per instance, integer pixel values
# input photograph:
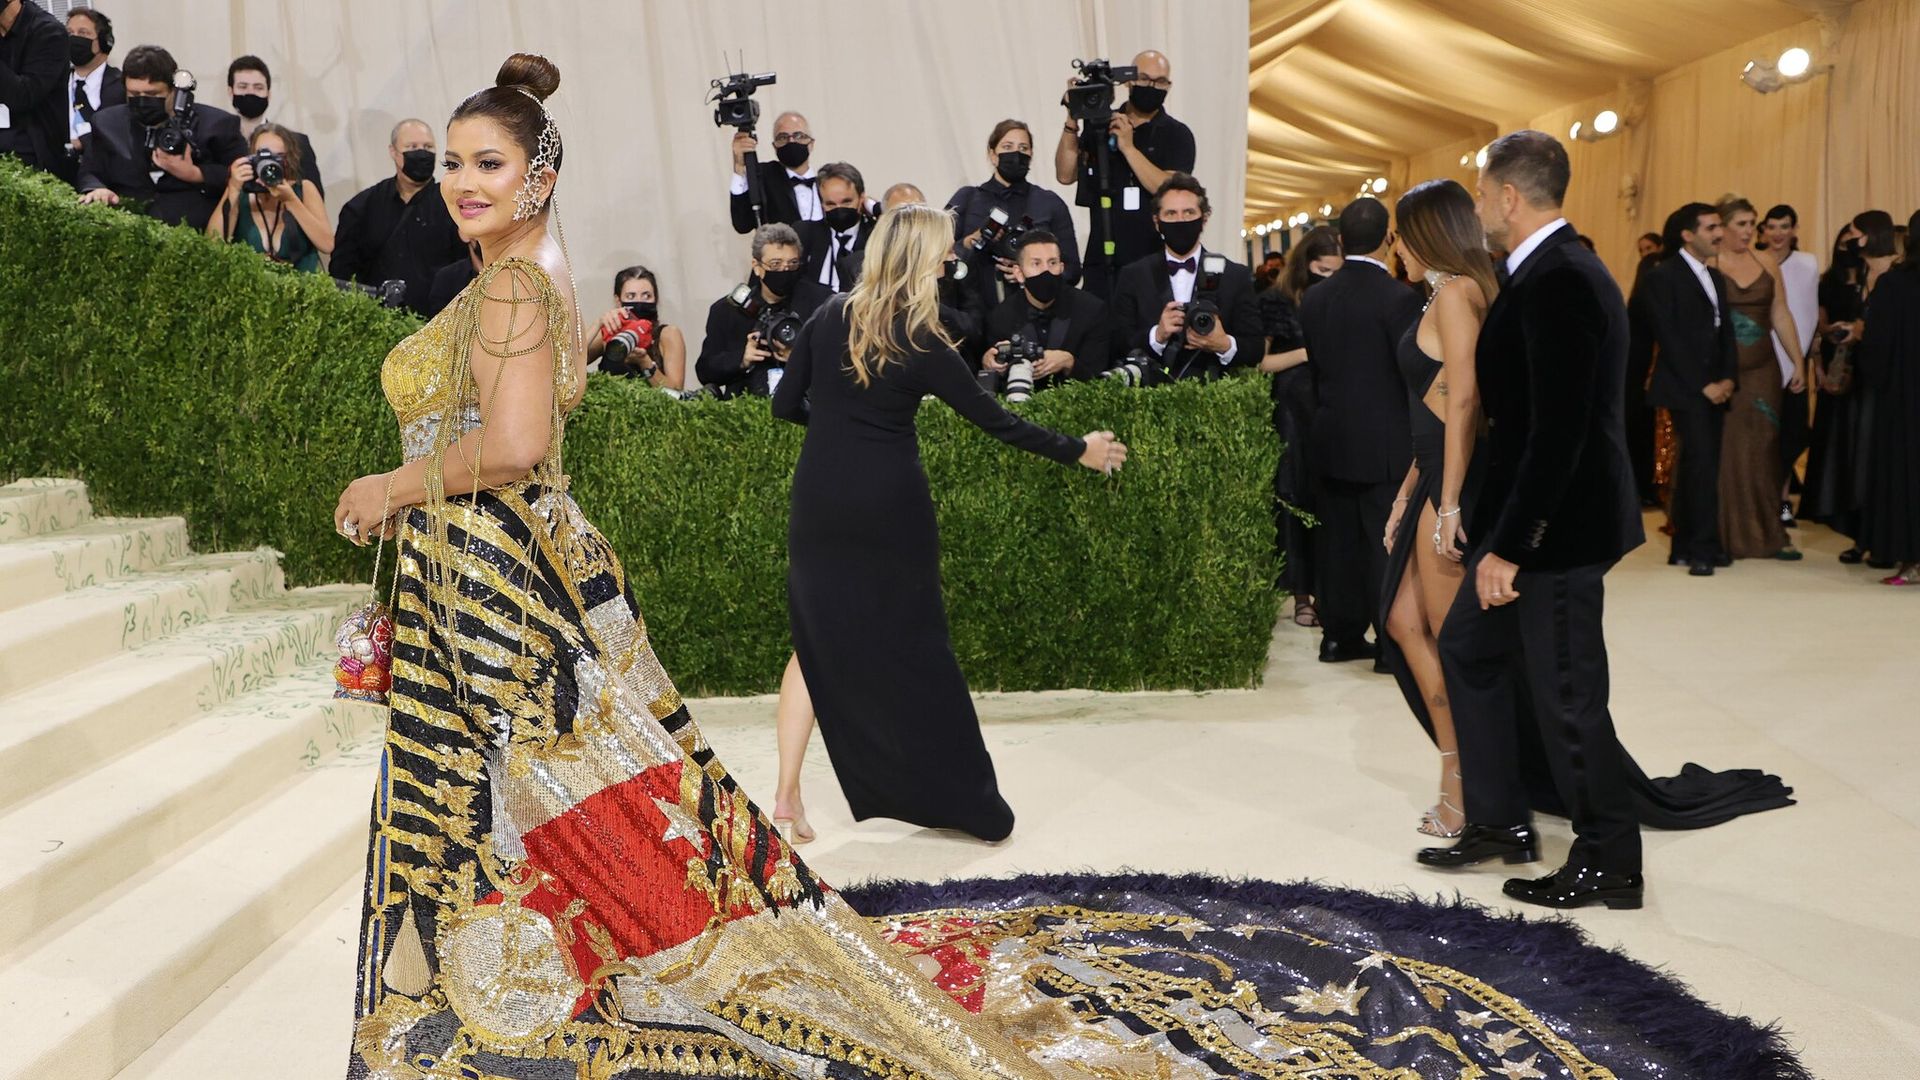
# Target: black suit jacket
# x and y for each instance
(1673, 333)
(113, 91)
(719, 364)
(816, 244)
(1352, 324)
(781, 205)
(1077, 322)
(116, 159)
(1144, 288)
(1559, 490)
(33, 86)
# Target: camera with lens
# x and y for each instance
(1131, 371)
(1091, 98)
(390, 294)
(269, 172)
(1201, 313)
(733, 104)
(635, 335)
(1000, 239)
(1020, 354)
(777, 328)
(174, 136)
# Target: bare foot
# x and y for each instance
(790, 817)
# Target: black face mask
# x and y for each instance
(251, 106)
(417, 165)
(1181, 236)
(1014, 166)
(79, 50)
(643, 309)
(1146, 99)
(780, 282)
(150, 111)
(793, 155)
(1044, 288)
(842, 218)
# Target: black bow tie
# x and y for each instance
(1501, 275)
(800, 180)
(1176, 267)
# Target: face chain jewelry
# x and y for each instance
(526, 201)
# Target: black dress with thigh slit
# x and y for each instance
(863, 583)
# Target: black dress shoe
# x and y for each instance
(1880, 564)
(1579, 886)
(1701, 569)
(1852, 556)
(1338, 652)
(1478, 843)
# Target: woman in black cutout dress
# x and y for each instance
(863, 586)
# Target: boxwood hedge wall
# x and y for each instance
(175, 375)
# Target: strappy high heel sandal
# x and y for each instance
(1430, 821)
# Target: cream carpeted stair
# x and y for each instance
(178, 786)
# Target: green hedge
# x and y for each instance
(180, 376)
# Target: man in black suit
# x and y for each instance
(95, 84)
(399, 229)
(1069, 324)
(34, 78)
(733, 359)
(176, 188)
(251, 86)
(1362, 442)
(1557, 510)
(1152, 295)
(843, 227)
(789, 185)
(1683, 332)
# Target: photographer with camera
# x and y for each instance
(843, 227)
(632, 341)
(789, 184)
(1125, 154)
(1047, 333)
(270, 207)
(35, 74)
(1192, 309)
(989, 239)
(162, 147)
(250, 85)
(399, 229)
(751, 329)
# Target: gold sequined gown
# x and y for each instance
(563, 882)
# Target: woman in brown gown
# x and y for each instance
(1750, 526)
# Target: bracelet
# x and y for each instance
(1455, 512)
(1073, 129)
(1403, 498)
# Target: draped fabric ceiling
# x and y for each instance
(1345, 90)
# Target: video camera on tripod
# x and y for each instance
(1091, 99)
(734, 107)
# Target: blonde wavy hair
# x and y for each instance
(896, 303)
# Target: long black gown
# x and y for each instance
(863, 581)
(1695, 799)
(1292, 393)
(1889, 358)
(1838, 449)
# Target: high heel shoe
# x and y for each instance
(793, 832)
(1430, 821)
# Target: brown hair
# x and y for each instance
(1000, 131)
(1535, 164)
(290, 161)
(1319, 242)
(507, 101)
(1437, 223)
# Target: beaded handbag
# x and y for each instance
(364, 671)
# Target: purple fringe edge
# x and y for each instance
(1652, 1004)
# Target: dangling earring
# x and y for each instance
(525, 202)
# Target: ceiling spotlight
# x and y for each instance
(1794, 63)
(1326, 210)
(1574, 132)
(1606, 122)
(1480, 159)
(1466, 158)
(1260, 230)
(1379, 184)
(1243, 234)
(1762, 76)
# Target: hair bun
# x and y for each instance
(531, 72)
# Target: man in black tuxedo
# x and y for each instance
(733, 359)
(1362, 443)
(843, 227)
(1152, 296)
(177, 188)
(789, 185)
(1069, 324)
(1683, 331)
(35, 74)
(1557, 510)
(95, 84)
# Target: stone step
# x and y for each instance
(63, 634)
(57, 730)
(42, 504)
(35, 567)
(87, 1000)
(73, 843)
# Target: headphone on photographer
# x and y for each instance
(102, 26)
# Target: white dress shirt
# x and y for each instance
(1800, 276)
(842, 244)
(1526, 247)
(1364, 259)
(805, 196)
(1706, 282)
(1183, 282)
(93, 81)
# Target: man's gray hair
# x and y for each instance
(393, 139)
(840, 170)
(775, 233)
(1535, 164)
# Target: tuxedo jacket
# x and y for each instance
(1352, 324)
(1144, 288)
(816, 244)
(34, 87)
(720, 363)
(117, 159)
(1673, 332)
(1559, 490)
(781, 205)
(1076, 321)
